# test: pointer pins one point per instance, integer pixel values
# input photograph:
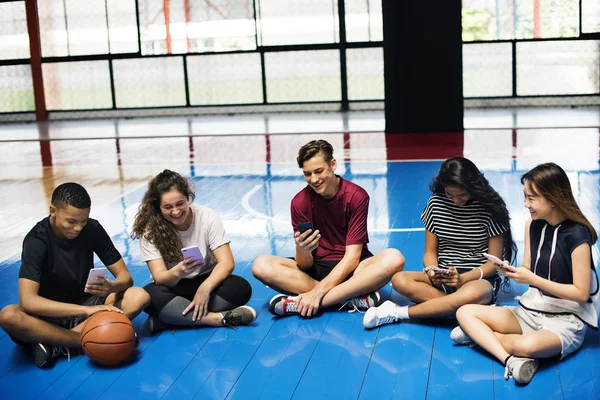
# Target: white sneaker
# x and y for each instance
(384, 314)
(459, 336)
(521, 369)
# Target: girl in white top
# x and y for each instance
(187, 292)
(553, 314)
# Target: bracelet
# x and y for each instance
(481, 272)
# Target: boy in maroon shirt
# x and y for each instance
(333, 264)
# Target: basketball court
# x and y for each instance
(242, 165)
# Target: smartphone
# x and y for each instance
(494, 259)
(303, 227)
(439, 270)
(194, 252)
(94, 274)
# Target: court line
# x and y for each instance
(246, 205)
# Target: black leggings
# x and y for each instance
(235, 291)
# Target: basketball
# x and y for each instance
(108, 338)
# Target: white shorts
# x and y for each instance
(569, 328)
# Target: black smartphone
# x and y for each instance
(303, 227)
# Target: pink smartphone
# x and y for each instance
(438, 270)
(94, 274)
(494, 259)
(194, 252)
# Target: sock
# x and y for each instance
(402, 312)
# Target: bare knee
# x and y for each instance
(138, 297)
(465, 312)
(11, 318)
(262, 268)
(392, 261)
(525, 346)
(401, 282)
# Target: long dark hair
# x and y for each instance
(552, 182)
(461, 172)
(149, 221)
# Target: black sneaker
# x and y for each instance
(243, 315)
(155, 325)
(363, 302)
(44, 355)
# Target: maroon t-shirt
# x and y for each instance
(342, 220)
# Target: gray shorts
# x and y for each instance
(569, 328)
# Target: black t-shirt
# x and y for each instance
(61, 266)
(555, 259)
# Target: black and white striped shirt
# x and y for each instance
(463, 232)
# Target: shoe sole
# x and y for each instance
(462, 341)
(272, 303)
(378, 298)
(252, 310)
(365, 317)
(40, 359)
(526, 372)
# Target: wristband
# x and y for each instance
(481, 273)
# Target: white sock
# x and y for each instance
(402, 312)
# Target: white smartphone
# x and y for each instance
(94, 274)
(194, 252)
(494, 259)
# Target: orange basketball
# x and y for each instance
(108, 338)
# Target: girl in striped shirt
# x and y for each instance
(464, 218)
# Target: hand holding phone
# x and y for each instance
(197, 259)
(440, 271)
(194, 252)
(94, 274)
(303, 227)
(494, 259)
(95, 286)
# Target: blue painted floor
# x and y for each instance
(328, 357)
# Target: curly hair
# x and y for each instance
(459, 171)
(149, 222)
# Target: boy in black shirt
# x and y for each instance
(54, 299)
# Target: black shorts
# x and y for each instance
(68, 322)
(321, 268)
(494, 280)
(73, 321)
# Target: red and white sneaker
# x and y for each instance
(282, 304)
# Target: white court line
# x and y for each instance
(397, 230)
(246, 205)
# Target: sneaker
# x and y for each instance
(365, 302)
(460, 337)
(283, 305)
(155, 325)
(243, 315)
(384, 314)
(44, 355)
(521, 369)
